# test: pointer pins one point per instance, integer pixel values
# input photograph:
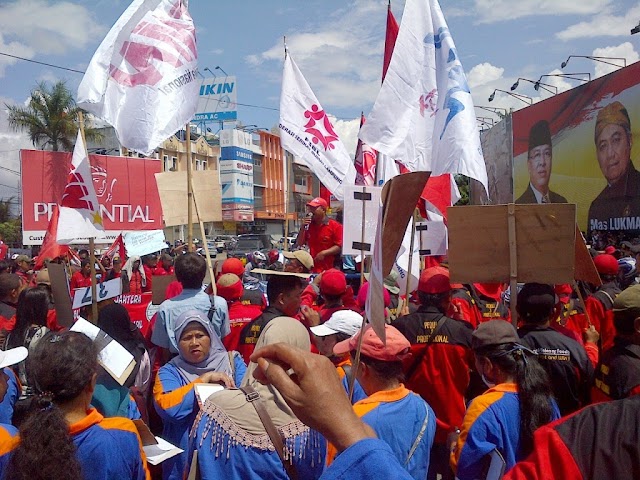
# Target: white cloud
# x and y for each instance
(340, 58)
(603, 24)
(484, 73)
(491, 11)
(624, 50)
(37, 25)
(10, 144)
(348, 131)
(12, 48)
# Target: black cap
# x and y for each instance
(536, 301)
(540, 134)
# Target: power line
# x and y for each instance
(41, 63)
(10, 170)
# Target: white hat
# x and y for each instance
(342, 321)
(12, 356)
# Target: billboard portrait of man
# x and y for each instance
(617, 207)
(539, 162)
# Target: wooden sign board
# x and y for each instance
(60, 292)
(585, 268)
(207, 192)
(545, 236)
(159, 288)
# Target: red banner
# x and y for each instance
(126, 189)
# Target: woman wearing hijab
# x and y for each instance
(231, 440)
(201, 359)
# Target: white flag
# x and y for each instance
(401, 264)
(143, 77)
(79, 208)
(424, 114)
(306, 131)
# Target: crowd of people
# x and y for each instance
(308, 390)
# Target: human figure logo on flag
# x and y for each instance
(316, 114)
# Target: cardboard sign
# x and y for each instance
(159, 287)
(104, 291)
(113, 357)
(60, 291)
(542, 244)
(144, 242)
(173, 196)
(354, 242)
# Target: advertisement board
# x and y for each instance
(126, 189)
(577, 147)
(218, 100)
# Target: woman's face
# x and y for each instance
(194, 343)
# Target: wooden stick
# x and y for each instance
(190, 245)
(287, 196)
(356, 361)
(513, 264)
(206, 247)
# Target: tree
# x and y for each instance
(10, 226)
(50, 118)
(463, 186)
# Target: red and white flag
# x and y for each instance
(307, 132)
(79, 208)
(50, 247)
(365, 162)
(143, 78)
(117, 247)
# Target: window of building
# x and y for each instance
(174, 163)
(204, 165)
(198, 165)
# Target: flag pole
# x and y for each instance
(190, 246)
(356, 361)
(92, 240)
(206, 246)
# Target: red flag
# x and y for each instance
(437, 192)
(390, 40)
(365, 161)
(116, 247)
(50, 248)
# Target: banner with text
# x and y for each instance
(126, 190)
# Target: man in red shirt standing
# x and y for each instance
(322, 234)
(4, 249)
(82, 278)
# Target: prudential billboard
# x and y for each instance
(218, 100)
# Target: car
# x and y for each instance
(224, 242)
(251, 242)
(290, 240)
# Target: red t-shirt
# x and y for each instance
(3, 250)
(319, 238)
(78, 280)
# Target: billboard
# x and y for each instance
(218, 100)
(236, 175)
(126, 189)
(577, 147)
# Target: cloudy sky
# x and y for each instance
(337, 44)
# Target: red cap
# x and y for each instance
(333, 282)
(229, 286)
(434, 280)
(396, 349)
(364, 290)
(318, 202)
(610, 250)
(273, 255)
(233, 265)
(606, 264)
(563, 289)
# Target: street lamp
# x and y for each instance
(635, 29)
(519, 96)
(597, 59)
(497, 110)
(218, 67)
(569, 76)
(486, 120)
(536, 85)
(207, 69)
(247, 127)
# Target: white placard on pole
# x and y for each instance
(144, 242)
(104, 291)
(433, 237)
(354, 195)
